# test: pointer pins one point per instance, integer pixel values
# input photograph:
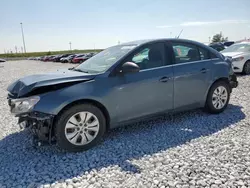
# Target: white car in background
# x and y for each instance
(240, 55)
(2, 60)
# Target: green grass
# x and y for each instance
(37, 54)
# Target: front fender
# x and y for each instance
(53, 102)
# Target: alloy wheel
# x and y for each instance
(82, 128)
(220, 97)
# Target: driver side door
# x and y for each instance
(149, 91)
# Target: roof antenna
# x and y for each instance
(179, 34)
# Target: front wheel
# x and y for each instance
(80, 127)
(218, 97)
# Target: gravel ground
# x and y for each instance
(191, 149)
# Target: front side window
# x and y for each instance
(185, 53)
(149, 56)
(142, 55)
(204, 54)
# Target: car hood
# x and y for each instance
(232, 54)
(27, 84)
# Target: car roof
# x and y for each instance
(145, 41)
(138, 43)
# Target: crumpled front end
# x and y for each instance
(16, 88)
(40, 124)
(29, 92)
(37, 84)
(233, 81)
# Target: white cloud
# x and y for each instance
(198, 23)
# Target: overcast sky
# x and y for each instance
(87, 24)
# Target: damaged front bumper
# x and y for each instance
(40, 124)
(233, 81)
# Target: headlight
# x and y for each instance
(238, 59)
(23, 105)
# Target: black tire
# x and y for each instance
(246, 68)
(62, 141)
(81, 61)
(209, 107)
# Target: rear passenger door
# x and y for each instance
(191, 75)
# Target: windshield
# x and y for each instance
(238, 48)
(105, 59)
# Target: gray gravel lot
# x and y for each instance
(191, 149)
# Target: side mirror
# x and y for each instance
(129, 67)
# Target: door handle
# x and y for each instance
(204, 70)
(164, 79)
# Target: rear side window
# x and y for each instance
(185, 52)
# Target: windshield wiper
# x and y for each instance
(78, 70)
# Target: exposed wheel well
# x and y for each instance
(221, 79)
(89, 101)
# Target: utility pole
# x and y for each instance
(209, 39)
(22, 49)
(70, 46)
(16, 49)
(23, 37)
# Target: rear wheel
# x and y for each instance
(246, 68)
(80, 127)
(218, 97)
